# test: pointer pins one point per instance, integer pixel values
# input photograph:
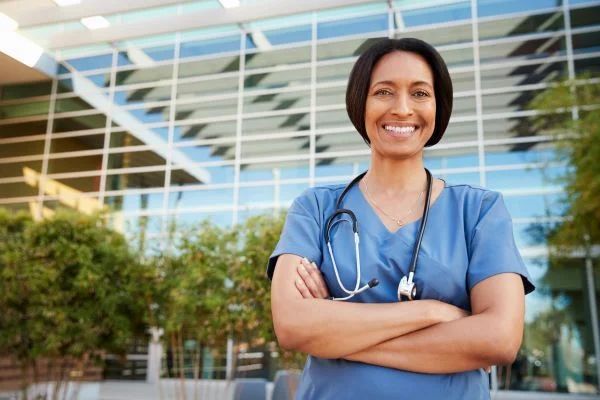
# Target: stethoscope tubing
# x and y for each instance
(340, 211)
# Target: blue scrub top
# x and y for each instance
(468, 238)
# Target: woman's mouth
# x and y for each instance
(400, 130)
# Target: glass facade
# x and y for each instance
(231, 121)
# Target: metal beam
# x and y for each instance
(52, 14)
(197, 20)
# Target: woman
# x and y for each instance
(470, 279)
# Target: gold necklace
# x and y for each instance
(397, 220)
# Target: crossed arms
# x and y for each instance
(426, 336)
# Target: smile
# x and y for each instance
(405, 130)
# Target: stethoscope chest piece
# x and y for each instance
(407, 290)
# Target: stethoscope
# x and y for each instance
(407, 288)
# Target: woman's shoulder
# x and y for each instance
(318, 198)
(476, 202)
(471, 193)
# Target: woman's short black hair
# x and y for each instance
(360, 81)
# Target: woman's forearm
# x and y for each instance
(331, 329)
(469, 343)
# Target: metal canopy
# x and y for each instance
(194, 20)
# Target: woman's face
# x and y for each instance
(400, 108)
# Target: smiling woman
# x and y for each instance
(440, 295)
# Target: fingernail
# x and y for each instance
(305, 260)
(314, 265)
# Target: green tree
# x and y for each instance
(260, 235)
(581, 153)
(72, 290)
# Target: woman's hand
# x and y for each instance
(309, 281)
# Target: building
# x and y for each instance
(175, 111)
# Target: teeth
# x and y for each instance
(399, 129)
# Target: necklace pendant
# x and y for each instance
(398, 222)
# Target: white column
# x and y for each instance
(155, 351)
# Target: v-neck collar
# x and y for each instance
(378, 223)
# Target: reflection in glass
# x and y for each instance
(442, 35)
(20, 110)
(508, 102)
(19, 169)
(344, 48)
(341, 166)
(18, 129)
(204, 130)
(516, 127)
(206, 152)
(534, 205)
(302, 33)
(135, 180)
(218, 86)
(139, 95)
(143, 75)
(207, 109)
(277, 79)
(274, 170)
(586, 16)
(25, 90)
(275, 147)
(586, 42)
(135, 202)
(558, 351)
(543, 152)
(200, 198)
(276, 101)
(75, 164)
(132, 159)
(436, 15)
(331, 96)
(338, 72)
(462, 81)
(439, 158)
(79, 123)
(276, 124)
(210, 46)
(77, 143)
(523, 75)
(340, 142)
(22, 149)
(92, 62)
(20, 189)
(521, 25)
(264, 58)
(524, 178)
(183, 220)
(487, 8)
(210, 66)
(352, 26)
(522, 50)
(460, 132)
(333, 119)
(218, 175)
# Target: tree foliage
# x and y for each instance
(70, 289)
(581, 154)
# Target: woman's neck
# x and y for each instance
(394, 177)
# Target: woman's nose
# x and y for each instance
(402, 106)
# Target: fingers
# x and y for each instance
(312, 279)
(299, 283)
(317, 278)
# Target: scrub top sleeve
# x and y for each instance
(493, 250)
(301, 234)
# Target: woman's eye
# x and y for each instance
(421, 93)
(383, 92)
